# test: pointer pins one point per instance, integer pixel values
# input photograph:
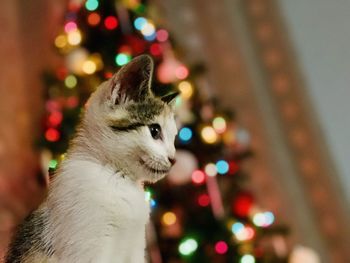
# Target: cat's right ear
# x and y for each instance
(132, 81)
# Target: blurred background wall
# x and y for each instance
(321, 35)
(28, 29)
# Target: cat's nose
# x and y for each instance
(172, 161)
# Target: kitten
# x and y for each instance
(96, 209)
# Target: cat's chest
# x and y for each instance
(128, 202)
(93, 194)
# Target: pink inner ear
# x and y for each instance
(133, 80)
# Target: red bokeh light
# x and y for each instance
(108, 75)
(204, 200)
(93, 19)
(111, 22)
(61, 73)
(162, 35)
(221, 247)
(156, 49)
(181, 72)
(52, 135)
(233, 167)
(198, 177)
(72, 102)
(242, 204)
(55, 118)
(250, 232)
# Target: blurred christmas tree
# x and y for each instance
(202, 211)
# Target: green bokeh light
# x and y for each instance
(122, 59)
(188, 246)
(53, 164)
(91, 5)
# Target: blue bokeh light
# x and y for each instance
(140, 22)
(222, 167)
(185, 134)
(269, 218)
(237, 227)
(151, 37)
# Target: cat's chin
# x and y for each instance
(154, 178)
(152, 174)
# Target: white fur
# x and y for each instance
(96, 215)
(96, 207)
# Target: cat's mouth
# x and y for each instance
(153, 170)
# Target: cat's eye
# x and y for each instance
(156, 131)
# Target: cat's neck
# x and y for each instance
(82, 148)
(81, 151)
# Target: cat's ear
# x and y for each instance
(170, 98)
(132, 81)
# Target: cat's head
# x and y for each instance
(130, 128)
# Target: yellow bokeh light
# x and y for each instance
(186, 89)
(70, 81)
(219, 125)
(74, 37)
(148, 29)
(61, 41)
(169, 218)
(209, 135)
(96, 58)
(89, 67)
(210, 169)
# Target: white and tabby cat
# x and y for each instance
(96, 209)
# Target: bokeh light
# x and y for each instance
(247, 259)
(198, 177)
(93, 19)
(156, 49)
(149, 199)
(263, 219)
(203, 200)
(185, 134)
(188, 246)
(140, 22)
(186, 89)
(210, 169)
(168, 218)
(148, 29)
(111, 22)
(52, 135)
(222, 166)
(150, 37)
(91, 5)
(89, 67)
(221, 247)
(237, 227)
(74, 37)
(219, 125)
(55, 118)
(209, 135)
(243, 233)
(70, 81)
(70, 26)
(162, 35)
(53, 164)
(122, 59)
(61, 41)
(181, 72)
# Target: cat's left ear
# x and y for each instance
(170, 98)
(133, 81)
